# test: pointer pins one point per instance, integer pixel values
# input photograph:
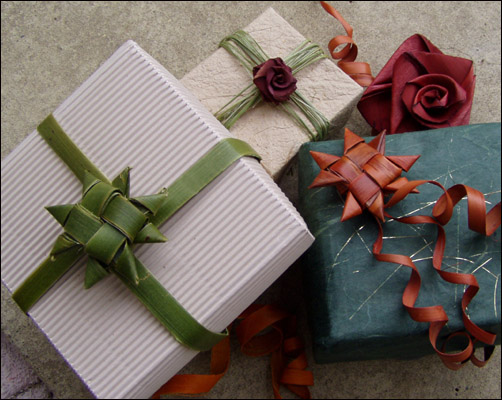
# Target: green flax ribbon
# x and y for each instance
(249, 53)
(106, 224)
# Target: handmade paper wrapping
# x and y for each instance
(225, 247)
(272, 132)
(354, 301)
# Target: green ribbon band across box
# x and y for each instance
(106, 224)
(221, 253)
(354, 301)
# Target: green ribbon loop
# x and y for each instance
(249, 53)
(106, 224)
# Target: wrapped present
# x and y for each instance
(354, 301)
(235, 235)
(273, 133)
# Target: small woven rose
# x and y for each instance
(275, 80)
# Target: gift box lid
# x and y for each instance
(224, 248)
(354, 301)
(272, 132)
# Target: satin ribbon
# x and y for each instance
(124, 222)
(358, 71)
(261, 330)
(364, 173)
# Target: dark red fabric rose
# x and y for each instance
(419, 88)
(275, 80)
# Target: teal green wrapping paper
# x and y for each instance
(354, 301)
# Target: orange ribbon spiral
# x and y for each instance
(288, 360)
(359, 71)
(479, 221)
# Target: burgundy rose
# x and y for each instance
(275, 80)
(419, 88)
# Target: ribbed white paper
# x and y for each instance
(225, 247)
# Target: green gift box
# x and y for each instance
(353, 300)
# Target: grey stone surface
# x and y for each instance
(50, 48)
(35, 348)
(17, 374)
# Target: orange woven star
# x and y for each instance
(363, 172)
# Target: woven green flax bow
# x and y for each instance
(106, 224)
(249, 53)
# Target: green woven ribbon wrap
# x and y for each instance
(249, 53)
(106, 224)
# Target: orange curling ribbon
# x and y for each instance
(196, 384)
(359, 71)
(478, 221)
(364, 173)
(263, 330)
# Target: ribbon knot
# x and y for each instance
(105, 224)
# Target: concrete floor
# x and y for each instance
(50, 48)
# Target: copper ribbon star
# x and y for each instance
(363, 172)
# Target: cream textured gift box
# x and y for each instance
(269, 130)
(224, 248)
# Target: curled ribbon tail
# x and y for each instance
(480, 222)
(261, 330)
(358, 71)
(434, 315)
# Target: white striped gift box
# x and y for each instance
(225, 247)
